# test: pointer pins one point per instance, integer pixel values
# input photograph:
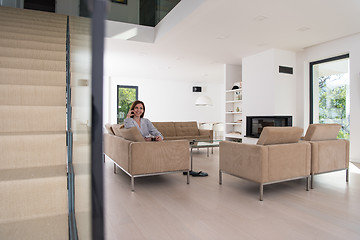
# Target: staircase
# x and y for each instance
(33, 154)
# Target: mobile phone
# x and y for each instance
(132, 112)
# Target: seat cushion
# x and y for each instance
(279, 135)
(318, 132)
(167, 129)
(131, 134)
(186, 129)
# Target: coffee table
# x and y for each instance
(201, 144)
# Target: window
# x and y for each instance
(126, 95)
(330, 93)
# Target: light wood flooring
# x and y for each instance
(165, 207)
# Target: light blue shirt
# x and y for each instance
(146, 129)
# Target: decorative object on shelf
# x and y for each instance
(238, 109)
(238, 95)
(235, 87)
(203, 101)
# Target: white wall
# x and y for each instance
(167, 100)
(331, 49)
(265, 90)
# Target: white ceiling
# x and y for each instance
(205, 34)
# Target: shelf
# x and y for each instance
(235, 90)
(233, 123)
(233, 112)
(233, 135)
(235, 101)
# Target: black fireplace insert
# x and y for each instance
(255, 124)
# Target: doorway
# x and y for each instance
(330, 93)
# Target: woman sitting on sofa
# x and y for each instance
(135, 118)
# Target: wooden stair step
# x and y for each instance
(33, 192)
(32, 54)
(32, 150)
(35, 64)
(53, 227)
(27, 95)
(32, 31)
(24, 119)
(32, 77)
(23, 44)
(34, 38)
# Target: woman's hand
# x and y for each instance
(130, 114)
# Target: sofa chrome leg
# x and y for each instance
(188, 177)
(114, 168)
(261, 191)
(307, 183)
(220, 177)
(347, 175)
(312, 181)
(132, 183)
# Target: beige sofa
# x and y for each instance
(183, 130)
(278, 156)
(129, 151)
(327, 153)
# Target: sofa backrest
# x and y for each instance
(167, 129)
(319, 132)
(280, 135)
(186, 129)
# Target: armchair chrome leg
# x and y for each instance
(220, 177)
(307, 183)
(347, 175)
(312, 181)
(261, 191)
(114, 168)
(132, 183)
(188, 177)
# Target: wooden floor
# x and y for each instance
(165, 207)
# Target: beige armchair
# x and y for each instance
(277, 157)
(327, 153)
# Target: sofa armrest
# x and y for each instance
(117, 149)
(206, 134)
(157, 157)
(288, 161)
(329, 155)
(244, 160)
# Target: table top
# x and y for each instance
(204, 143)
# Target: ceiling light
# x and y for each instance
(203, 101)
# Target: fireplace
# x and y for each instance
(255, 124)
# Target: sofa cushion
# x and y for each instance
(131, 134)
(279, 135)
(186, 129)
(167, 129)
(109, 128)
(116, 128)
(317, 132)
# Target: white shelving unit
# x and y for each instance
(233, 114)
(233, 103)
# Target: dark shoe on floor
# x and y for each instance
(198, 174)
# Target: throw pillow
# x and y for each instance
(132, 134)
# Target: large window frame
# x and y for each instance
(312, 64)
(127, 100)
